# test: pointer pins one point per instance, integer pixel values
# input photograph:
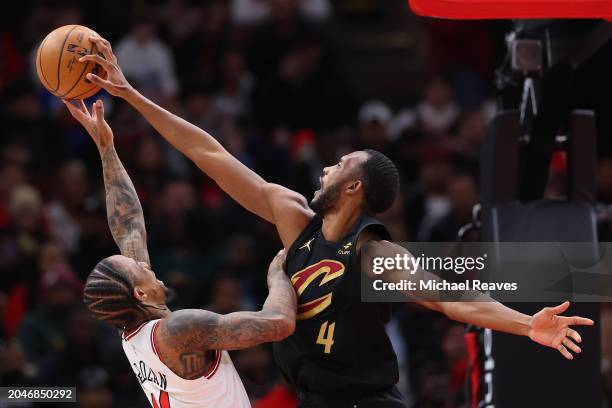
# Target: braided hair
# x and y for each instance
(109, 295)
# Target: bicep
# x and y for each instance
(285, 208)
(290, 211)
(237, 180)
(374, 248)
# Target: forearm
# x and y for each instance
(490, 314)
(274, 322)
(205, 330)
(241, 183)
(479, 310)
(124, 212)
(281, 300)
(187, 138)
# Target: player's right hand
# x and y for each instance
(115, 82)
(276, 268)
(94, 123)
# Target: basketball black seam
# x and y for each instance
(59, 61)
(80, 76)
(83, 93)
(42, 72)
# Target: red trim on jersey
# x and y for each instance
(153, 343)
(129, 334)
(215, 366)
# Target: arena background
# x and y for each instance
(287, 86)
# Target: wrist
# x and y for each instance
(130, 95)
(528, 326)
(106, 148)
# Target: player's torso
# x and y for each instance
(220, 387)
(334, 329)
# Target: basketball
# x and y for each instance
(58, 66)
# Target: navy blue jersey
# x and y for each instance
(339, 343)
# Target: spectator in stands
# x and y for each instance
(427, 202)
(67, 211)
(41, 330)
(255, 367)
(233, 98)
(254, 12)
(147, 60)
(11, 176)
(462, 196)
(437, 112)
(302, 88)
(81, 350)
(94, 391)
(374, 119)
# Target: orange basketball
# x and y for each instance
(57, 62)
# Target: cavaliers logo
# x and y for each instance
(330, 270)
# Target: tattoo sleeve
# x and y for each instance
(190, 330)
(124, 212)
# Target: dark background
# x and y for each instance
(288, 86)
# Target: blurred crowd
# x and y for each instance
(262, 76)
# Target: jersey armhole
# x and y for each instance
(375, 227)
(213, 368)
(154, 341)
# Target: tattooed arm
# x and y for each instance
(124, 212)
(187, 337)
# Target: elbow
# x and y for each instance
(206, 158)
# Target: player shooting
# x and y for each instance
(179, 357)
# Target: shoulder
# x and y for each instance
(371, 230)
(371, 236)
(290, 210)
(188, 329)
(285, 194)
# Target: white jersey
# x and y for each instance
(220, 387)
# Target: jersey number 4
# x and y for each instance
(326, 336)
(164, 400)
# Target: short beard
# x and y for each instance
(326, 200)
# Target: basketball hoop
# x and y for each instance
(512, 9)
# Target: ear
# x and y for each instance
(354, 186)
(140, 294)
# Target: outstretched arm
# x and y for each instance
(271, 202)
(123, 209)
(546, 327)
(184, 337)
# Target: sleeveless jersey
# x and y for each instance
(220, 387)
(339, 343)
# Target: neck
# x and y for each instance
(158, 312)
(152, 315)
(338, 222)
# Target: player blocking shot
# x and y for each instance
(339, 355)
(180, 358)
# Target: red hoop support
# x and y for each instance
(510, 9)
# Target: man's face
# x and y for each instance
(147, 288)
(336, 179)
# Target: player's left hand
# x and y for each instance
(94, 122)
(552, 330)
